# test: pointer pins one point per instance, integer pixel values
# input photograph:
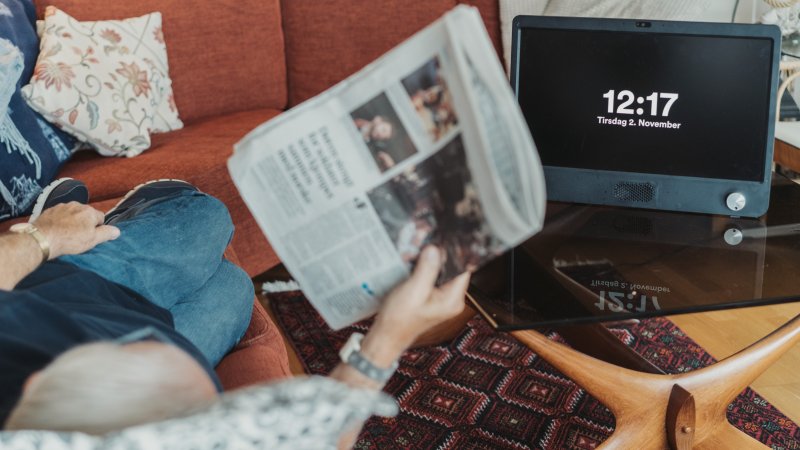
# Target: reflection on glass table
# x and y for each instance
(594, 263)
(790, 45)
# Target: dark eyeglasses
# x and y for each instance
(143, 334)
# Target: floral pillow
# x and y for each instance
(105, 82)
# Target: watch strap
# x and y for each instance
(352, 356)
(33, 231)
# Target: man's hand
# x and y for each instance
(408, 311)
(412, 308)
(73, 228)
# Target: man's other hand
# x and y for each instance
(413, 307)
(73, 228)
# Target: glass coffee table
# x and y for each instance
(595, 263)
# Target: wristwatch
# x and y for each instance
(33, 231)
(351, 355)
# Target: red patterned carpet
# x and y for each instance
(485, 390)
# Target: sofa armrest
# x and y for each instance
(259, 357)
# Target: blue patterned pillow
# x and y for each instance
(31, 149)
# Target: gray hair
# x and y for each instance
(101, 387)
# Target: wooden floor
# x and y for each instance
(723, 333)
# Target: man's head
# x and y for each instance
(103, 387)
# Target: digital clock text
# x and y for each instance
(620, 301)
(627, 98)
(658, 105)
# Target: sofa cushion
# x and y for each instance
(224, 56)
(106, 82)
(327, 41)
(32, 150)
(198, 154)
(259, 357)
(191, 154)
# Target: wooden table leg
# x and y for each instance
(681, 419)
(598, 341)
(641, 401)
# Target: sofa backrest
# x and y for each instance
(230, 55)
(328, 40)
(224, 56)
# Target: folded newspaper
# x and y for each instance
(426, 145)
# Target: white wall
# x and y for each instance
(750, 11)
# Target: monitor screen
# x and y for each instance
(647, 102)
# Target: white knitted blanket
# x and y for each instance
(634, 9)
(694, 10)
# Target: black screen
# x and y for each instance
(646, 102)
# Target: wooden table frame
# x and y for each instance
(787, 156)
(654, 410)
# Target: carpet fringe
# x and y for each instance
(271, 287)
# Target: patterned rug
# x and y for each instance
(485, 390)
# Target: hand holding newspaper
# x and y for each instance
(426, 145)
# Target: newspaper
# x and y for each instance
(426, 145)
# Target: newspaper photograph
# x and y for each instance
(383, 132)
(432, 100)
(436, 202)
(426, 145)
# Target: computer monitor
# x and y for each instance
(651, 114)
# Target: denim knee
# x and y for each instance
(240, 302)
(214, 215)
(216, 317)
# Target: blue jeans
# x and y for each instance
(170, 252)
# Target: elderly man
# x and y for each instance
(109, 321)
(151, 268)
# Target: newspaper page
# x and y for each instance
(426, 145)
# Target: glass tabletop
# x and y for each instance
(598, 263)
(790, 44)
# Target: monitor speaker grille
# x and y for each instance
(634, 192)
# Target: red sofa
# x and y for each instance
(235, 64)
